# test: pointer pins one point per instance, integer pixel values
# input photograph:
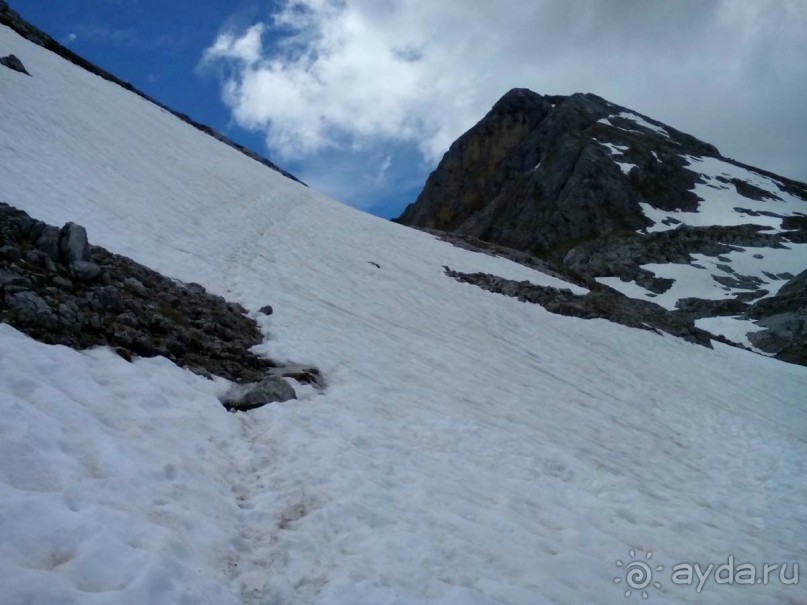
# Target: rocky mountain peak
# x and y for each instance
(618, 198)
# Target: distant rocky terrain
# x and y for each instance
(596, 193)
(57, 288)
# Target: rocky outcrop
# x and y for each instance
(784, 317)
(534, 174)
(57, 288)
(537, 173)
(602, 303)
(12, 19)
(12, 62)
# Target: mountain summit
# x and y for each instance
(633, 204)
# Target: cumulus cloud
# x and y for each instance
(321, 75)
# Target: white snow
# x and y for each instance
(735, 329)
(643, 123)
(618, 150)
(470, 449)
(721, 199)
(637, 119)
(628, 288)
(772, 271)
(615, 149)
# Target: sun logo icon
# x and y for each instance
(638, 574)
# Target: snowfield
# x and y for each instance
(722, 205)
(469, 449)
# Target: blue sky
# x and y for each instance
(158, 45)
(360, 98)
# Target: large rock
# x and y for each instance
(269, 390)
(30, 310)
(85, 272)
(12, 62)
(73, 244)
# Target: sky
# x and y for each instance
(361, 98)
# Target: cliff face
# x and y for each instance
(614, 197)
(541, 171)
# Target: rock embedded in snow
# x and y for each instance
(249, 397)
(266, 310)
(12, 62)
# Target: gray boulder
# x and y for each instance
(12, 62)
(73, 244)
(48, 242)
(268, 390)
(31, 310)
(85, 272)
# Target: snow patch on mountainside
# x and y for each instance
(722, 205)
(750, 268)
(734, 328)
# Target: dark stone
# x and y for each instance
(85, 272)
(268, 390)
(602, 302)
(48, 242)
(10, 278)
(12, 62)
(116, 302)
(30, 310)
(10, 253)
(40, 259)
(73, 244)
(267, 310)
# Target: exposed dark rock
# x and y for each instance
(534, 174)
(29, 309)
(12, 62)
(73, 244)
(267, 310)
(111, 300)
(249, 397)
(603, 303)
(85, 272)
(784, 317)
(10, 253)
(12, 19)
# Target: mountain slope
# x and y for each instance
(640, 207)
(469, 449)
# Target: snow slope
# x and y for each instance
(470, 449)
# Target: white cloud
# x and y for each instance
(353, 74)
(246, 48)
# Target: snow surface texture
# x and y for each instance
(469, 450)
